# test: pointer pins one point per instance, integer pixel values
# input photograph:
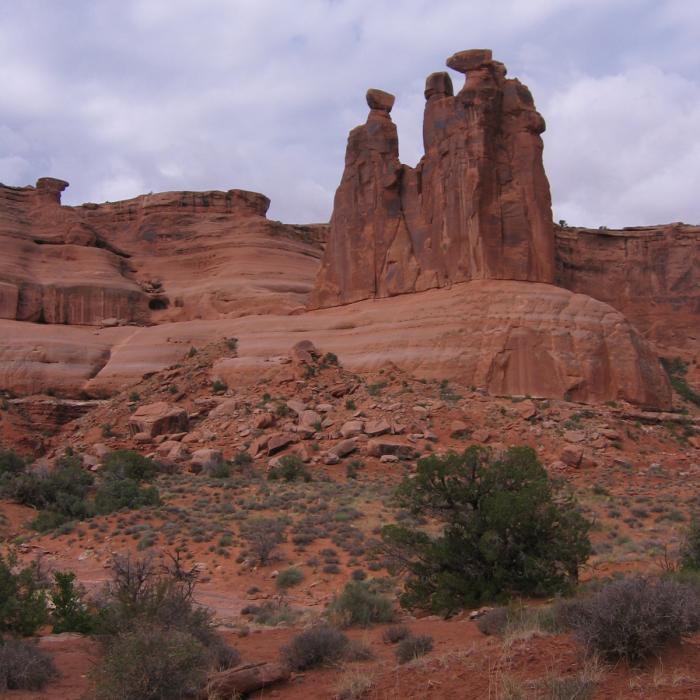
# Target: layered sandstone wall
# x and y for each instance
(651, 274)
(477, 206)
(154, 258)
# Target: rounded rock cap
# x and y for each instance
(378, 99)
(464, 61)
(438, 84)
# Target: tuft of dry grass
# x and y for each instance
(353, 683)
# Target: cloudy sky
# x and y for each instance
(122, 97)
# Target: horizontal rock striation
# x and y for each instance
(154, 258)
(651, 274)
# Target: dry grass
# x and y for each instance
(353, 683)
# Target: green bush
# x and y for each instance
(506, 529)
(150, 663)
(359, 605)
(23, 666)
(128, 464)
(690, 549)
(115, 494)
(23, 606)
(70, 613)
(289, 577)
(676, 370)
(11, 463)
(290, 468)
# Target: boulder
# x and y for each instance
(309, 420)
(207, 459)
(278, 442)
(158, 419)
(380, 100)
(245, 679)
(374, 428)
(263, 420)
(297, 406)
(227, 408)
(344, 448)
(351, 427)
(377, 447)
(571, 455)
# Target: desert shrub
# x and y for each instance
(353, 684)
(219, 387)
(128, 464)
(63, 490)
(290, 468)
(395, 633)
(70, 612)
(242, 460)
(359, 604)
(493, 621)
(143, 594)
(23, 666)
(506, 529)
(150, 663)
(23, 606)
(412, 647)
(271, 613)
(690, 549)
(262, 535)
(114, 494)
(635, 618)
(316, 646)
(11, 463)
(289, 577)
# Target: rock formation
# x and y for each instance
(157, 257)
(651, 274)
(470, 228)
(477, 206)
(506, 336)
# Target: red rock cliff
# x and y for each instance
(157, 257)
(477, 206)
(651, 274)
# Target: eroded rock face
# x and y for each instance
(155, 258)
(651, 274)
(477, 206)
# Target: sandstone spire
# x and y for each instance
(477, 206)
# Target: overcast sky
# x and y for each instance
(123, 97)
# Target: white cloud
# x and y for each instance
(141, 95)
(623, 149)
